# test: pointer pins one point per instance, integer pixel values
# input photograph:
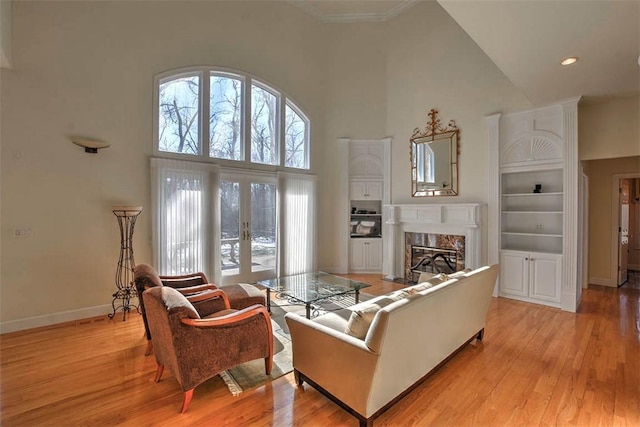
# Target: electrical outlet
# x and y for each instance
(22, 232)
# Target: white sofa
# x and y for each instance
(367, 368)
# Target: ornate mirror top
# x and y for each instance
(434, 126)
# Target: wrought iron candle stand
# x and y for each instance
(127, 216)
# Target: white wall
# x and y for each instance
(355, 108)
(432, 63)
(87, 68)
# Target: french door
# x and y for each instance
(248, 233)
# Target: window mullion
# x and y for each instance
(281, 128)
(247, 119)
(205, 112)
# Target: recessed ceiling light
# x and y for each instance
(570, 60)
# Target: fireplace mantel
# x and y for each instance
(462, 219)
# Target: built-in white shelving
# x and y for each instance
(533, 204)
(532, 221)
(369, 167)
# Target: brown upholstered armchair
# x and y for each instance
(197, 289)
(195, 348)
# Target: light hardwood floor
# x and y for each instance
(536, 366)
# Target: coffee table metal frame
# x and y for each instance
(311, 288)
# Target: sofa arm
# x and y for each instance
(339, 363)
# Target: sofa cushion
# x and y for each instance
(361, 317)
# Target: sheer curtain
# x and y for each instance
(297, 198)
(183, 200)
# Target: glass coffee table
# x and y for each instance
(311, 288)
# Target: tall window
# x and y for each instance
(211, 212)
(213, 114)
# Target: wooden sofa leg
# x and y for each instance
(159, 371)
(480, 334)
(187, 400)
(149, 349)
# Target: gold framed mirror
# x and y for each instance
(434, 158)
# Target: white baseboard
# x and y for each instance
(54, 318)
(333, 270)
(602, 281)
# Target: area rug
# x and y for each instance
(251, 374)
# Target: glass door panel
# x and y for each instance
(263, 227)
(248, 242)
(230, 227)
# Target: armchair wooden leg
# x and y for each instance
(159, 372)
(268, 364)
(149, 349)
(187, 400)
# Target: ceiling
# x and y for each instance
(527, 40)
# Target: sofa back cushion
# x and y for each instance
(362, 315)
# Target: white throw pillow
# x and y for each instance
(360, 320)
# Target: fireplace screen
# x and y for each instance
(433, 253)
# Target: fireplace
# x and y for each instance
(432, 253)
(452, 231)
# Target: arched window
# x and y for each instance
(215, 114)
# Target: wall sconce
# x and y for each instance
(90, 145)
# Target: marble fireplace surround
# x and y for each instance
(463, 219)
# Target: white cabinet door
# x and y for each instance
(374, 190)
(374, 252)
(366, 255)
(357, 190)
(357, 258)
(514, 273)
(530, 276)
(365, 190)
(544, 276)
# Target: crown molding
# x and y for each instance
(347, 18)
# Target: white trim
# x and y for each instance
(347, 18)
(570, 295)
(343, 209)
(55, 318)
(493, 193)
(602, 281)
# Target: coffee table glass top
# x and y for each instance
(311, 287)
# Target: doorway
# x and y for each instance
(625, 233)
(248, 234)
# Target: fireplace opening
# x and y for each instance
(433, 253)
